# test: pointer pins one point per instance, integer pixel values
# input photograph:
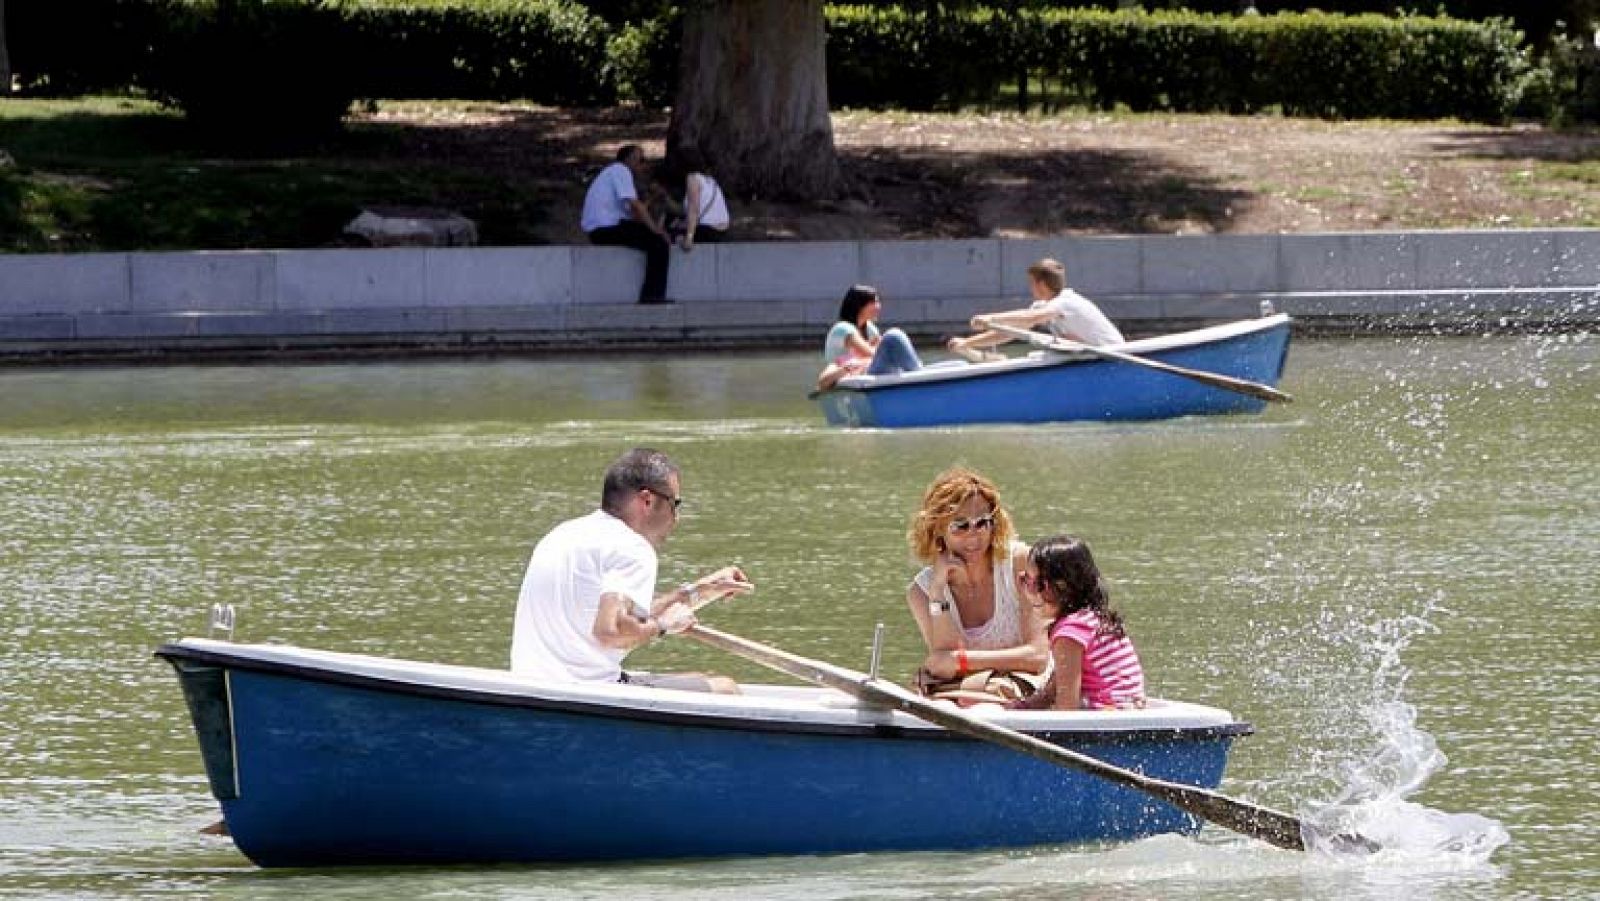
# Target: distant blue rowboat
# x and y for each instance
(1045, 386)
(323, 758)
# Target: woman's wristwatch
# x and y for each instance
(938, 608)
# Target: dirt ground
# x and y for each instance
(1006, 175)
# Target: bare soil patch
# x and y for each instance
(1006, 175)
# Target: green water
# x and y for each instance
(1422, 526)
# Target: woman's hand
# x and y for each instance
(941, 665)
(947, 567)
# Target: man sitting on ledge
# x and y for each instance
(614, 215)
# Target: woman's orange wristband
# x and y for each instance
(962, 664)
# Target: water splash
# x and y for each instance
(1374, 802)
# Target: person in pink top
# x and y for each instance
(1096, 666)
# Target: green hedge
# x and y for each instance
(552, 51)
(556, 51)
(1365, 66)
(71, 47)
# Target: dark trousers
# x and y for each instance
(629, 233)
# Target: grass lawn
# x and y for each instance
(121, 174)
(116, 174)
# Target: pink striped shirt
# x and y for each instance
(1112, 676)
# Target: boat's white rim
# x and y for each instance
(776, 704)
(945, 371)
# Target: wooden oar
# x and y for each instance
(1269, 825)
(1214, 379)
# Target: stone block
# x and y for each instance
(1125, 309)
(472, 320)
(498, 276)
(1485, 259)
(37, 328)
(773, 315)
(137, 326)
(1095, 265)
(625, 317)
(1209, 264)
(923, 270)
(788, 270)
(692, 277)
(385, 226)
(1577, 258)
(351, 279)
(1337, 303)
(607, 275)
(386, 321)
(202, 281)
(1211, 306)
(63, 283)
(1381, 261)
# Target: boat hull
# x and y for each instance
(1066, 388)
(315, 767)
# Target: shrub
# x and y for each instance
(552, 51)
(1312, 65)
(256, 71)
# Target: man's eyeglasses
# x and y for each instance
(676, 501)
(959, 525)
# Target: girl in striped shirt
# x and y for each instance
(1096, 666)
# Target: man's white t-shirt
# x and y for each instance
(606, 204)
(1078, 319)
(581, 559)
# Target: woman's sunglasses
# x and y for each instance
(957, 526)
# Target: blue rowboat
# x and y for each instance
(322, 758)
(1046, 386)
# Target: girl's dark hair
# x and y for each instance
(856, 300)
(681, 161)
(1068, 570)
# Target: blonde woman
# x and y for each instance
(965, 599)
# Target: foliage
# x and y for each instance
(254, 72)
(1568, 89)
(1365, 66)
(70, 47)
(644, 59)
(552, 51)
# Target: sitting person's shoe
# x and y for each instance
(655, 300)
(970, 354)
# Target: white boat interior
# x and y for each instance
(776, 704)
(957, 369)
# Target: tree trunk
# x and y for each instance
(753, 97)
(5, 55)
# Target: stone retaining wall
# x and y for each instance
(774, 294)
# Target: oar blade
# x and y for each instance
(1271, 826)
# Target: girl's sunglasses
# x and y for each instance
(957, 526)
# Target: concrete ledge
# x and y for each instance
(778, 294)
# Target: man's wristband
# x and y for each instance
(691, 593)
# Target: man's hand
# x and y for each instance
(980, 322)
(676, 618)
(729, 580)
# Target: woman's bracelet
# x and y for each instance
(963, 665)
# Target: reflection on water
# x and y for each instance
(1399, 563)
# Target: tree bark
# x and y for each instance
(5, 55)
(753, 97)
